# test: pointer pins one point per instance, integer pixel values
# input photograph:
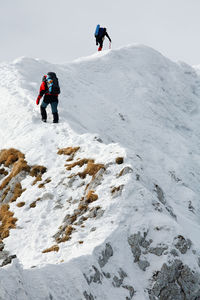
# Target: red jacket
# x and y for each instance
(43, 91)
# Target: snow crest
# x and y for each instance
(119, 198)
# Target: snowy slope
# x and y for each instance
(132, 103)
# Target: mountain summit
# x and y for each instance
(105, 204)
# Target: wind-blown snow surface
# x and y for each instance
(144, 108)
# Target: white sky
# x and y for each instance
(61, 30)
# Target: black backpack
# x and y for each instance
(52, 83)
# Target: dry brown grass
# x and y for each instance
(18, 166)
(119, 160)
(83, 207)
(91, 169)
(38, 178)
(73, 218)
(79, 163)
(67, 235)
(33, 204)
(17, 192)
(37, 170)
(121, 173)
(20, 204)
(53, 248)
(7, 221)
(5, 193)
(91, 197)
(80, 242)
(115, 189)
(3, 172)
(9, 156)
(42, 185)
(69, 230)
(70, 151)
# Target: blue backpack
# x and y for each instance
(97, 30)
(52, 83)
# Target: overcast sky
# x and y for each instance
(61, 30)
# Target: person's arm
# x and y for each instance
(42, 92)
(108, 36)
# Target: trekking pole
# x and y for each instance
(109, 45)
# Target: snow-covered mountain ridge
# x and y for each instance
(121, 228)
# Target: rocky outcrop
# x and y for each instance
(139, 243)
(175, 282)
(105, 255)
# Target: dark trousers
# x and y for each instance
(53, 101)
(99, 41)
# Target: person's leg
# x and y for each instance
(43, 111)
(54, 109)
(100, 45)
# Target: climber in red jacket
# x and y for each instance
(50, 90)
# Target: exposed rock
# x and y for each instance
(137, 240)
(143, 264)
(191, 207)
(58, 206)
(7, 196)
(100, 213)
(93, 229)
(160, 194)
(161, 198)
(105, 255)
(157, 206)
(158, 250)
(170, 210)
(175, 281)
(71, 181)
(95, 212)
(1, 246)
(47, 196)
(122, 117)
(135, 248)
(174, 177)
(98, 139)
(137, 177)
(131, 291)
(97, 180)
(124, 171)
(96, 277)
(199, 261)
(4, 254)
(117, 191)
(107, 275)
(8, 260)
(174, 252)
(117, 281)
(182, 244)
(88, 296)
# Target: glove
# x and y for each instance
(38, 100)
